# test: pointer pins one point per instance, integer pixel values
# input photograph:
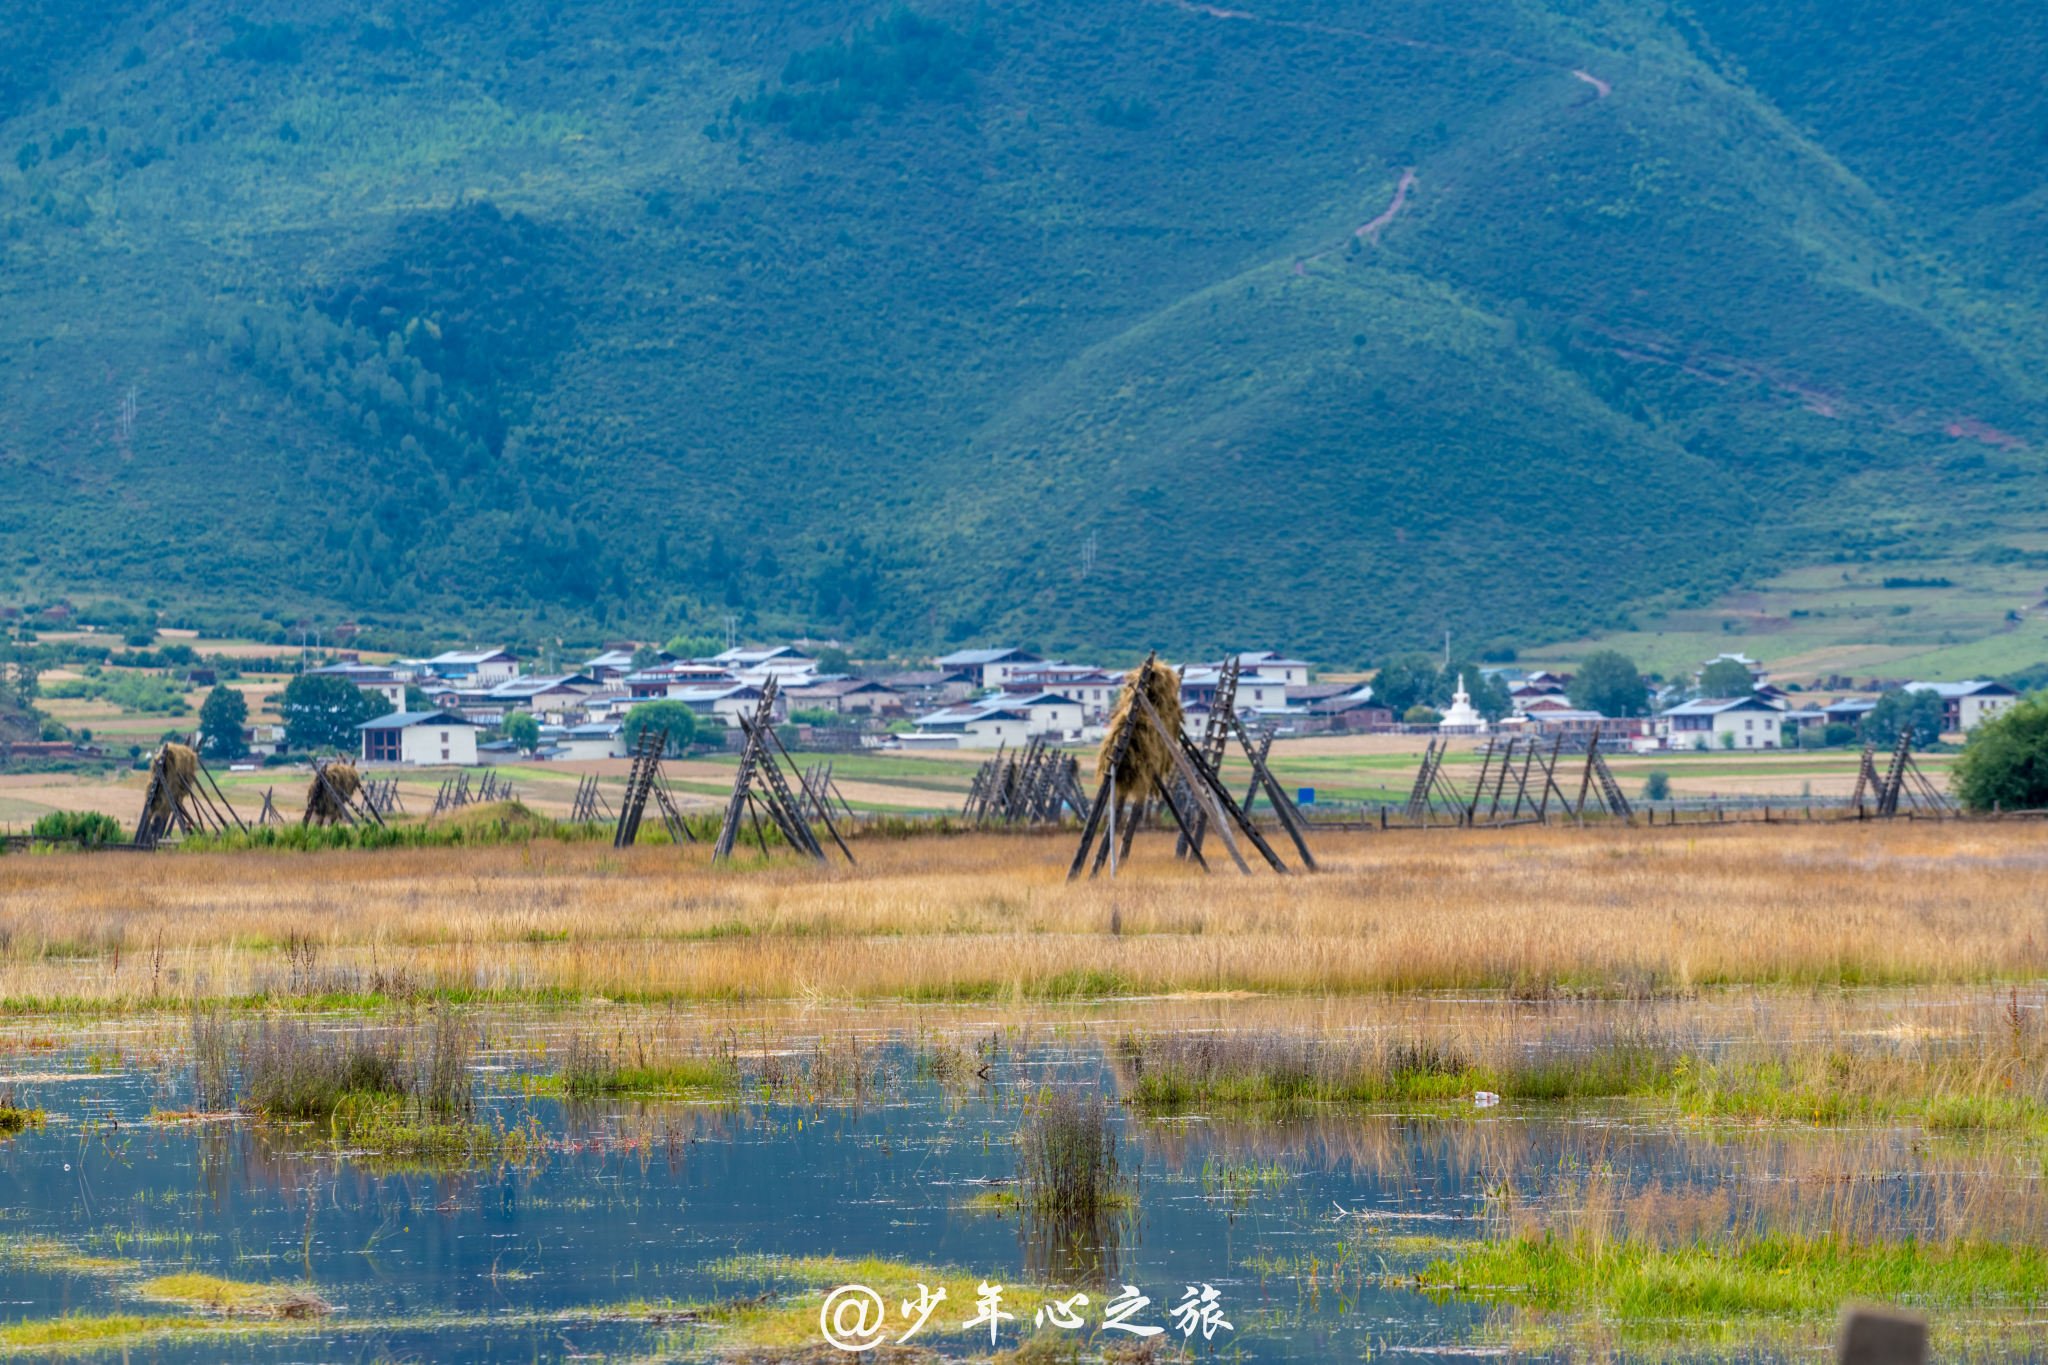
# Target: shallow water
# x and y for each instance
(1297, 1225)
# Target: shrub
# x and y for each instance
(2004, 765)
(673, 716)
(85, 826)
(1657, 787)
(1922, 712)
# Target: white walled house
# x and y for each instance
(1754, 723)
(544, 694)
(1257, 690)
(1269, 667)
(475, 667)
(995, 721)
(1095, 688)
(988, 667)
(598, 739)
(419, 739)
(1967, 705)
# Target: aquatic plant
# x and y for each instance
(14, 1118)
(291, 1071)
(589, 1069)
(1170, 1070)
(213, 1076)
(1067, 1162)
(287, 1068)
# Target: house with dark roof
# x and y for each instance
(931, 687)
(991, 722)
(1721, 723)
(847, 696)
(988, 667)
(1967, 705)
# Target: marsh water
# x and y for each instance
(627, 1209)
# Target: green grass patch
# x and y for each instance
(14, 1119)
(1634, 1282)
(1277, 1073)
(77, 1330)
(217, 1294)
(690, 1075)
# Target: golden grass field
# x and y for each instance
(1532, 910)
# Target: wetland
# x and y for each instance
(564, 1103)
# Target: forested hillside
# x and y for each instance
(1327, 323)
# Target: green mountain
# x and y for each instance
(1325, 323)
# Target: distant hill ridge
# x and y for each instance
(1178, 324)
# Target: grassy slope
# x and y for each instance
(1614, 348)
(1839, 619)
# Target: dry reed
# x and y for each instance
(1539, 913)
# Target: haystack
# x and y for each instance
(327, 800)
(1148, 759)
(174, 777)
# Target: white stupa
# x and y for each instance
(1461, 719)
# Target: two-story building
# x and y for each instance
(472, 667)
(1094, 688)
(987, 667)
(1751, 721)
(1967, 705)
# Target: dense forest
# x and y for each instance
(1319, 322)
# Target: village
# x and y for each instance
(1006, 697)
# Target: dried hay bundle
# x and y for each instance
(1148, 759)
(175, 778)
(326, 801)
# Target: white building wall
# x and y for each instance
(437, 744)
(1974, 711)
(614, 747)
(1752, 729)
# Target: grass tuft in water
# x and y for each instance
(589, 1070)
(1068, 1164)
(14, 1118)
